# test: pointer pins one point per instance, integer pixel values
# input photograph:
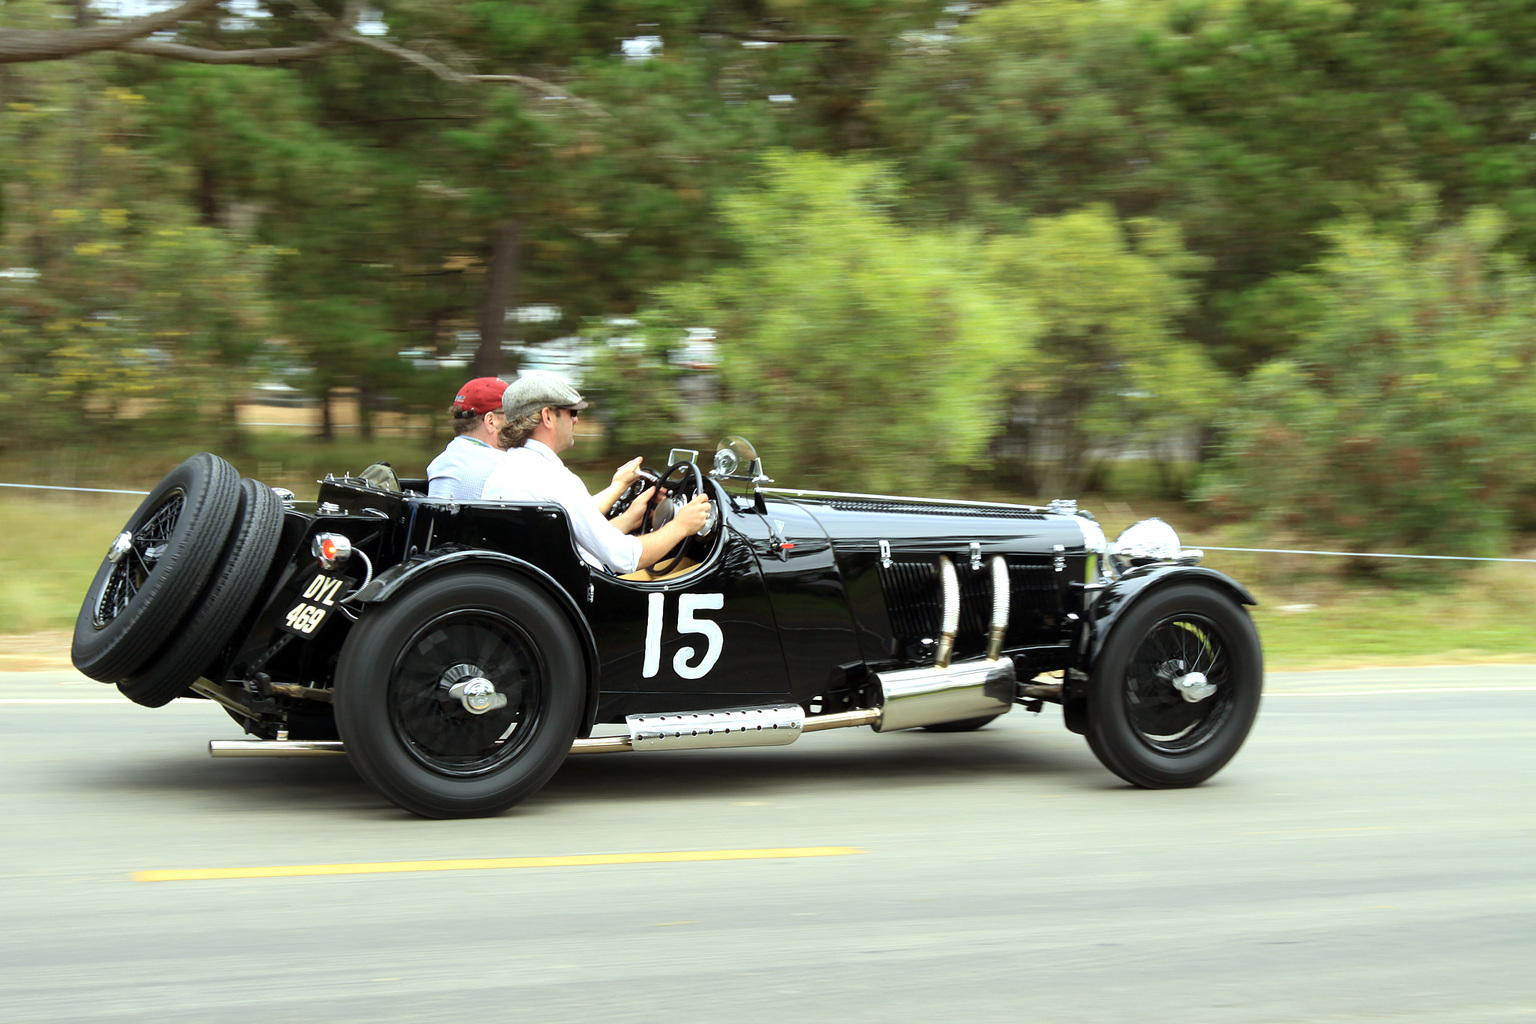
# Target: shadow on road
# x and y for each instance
(864, 764)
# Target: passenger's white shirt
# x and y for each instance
(535, 473)
(462, 469)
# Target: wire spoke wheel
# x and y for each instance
(1156, 707)
(156, 570)
(236, 583)
(462, 695)
(130, 571)
(436, 727)
(1175, 687)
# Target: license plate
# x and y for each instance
(314, 605)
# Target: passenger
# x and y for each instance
(540, 409)
(461, 470)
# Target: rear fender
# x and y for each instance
(397, 578)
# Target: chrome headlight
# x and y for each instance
(1096, 545)
(1143, 543)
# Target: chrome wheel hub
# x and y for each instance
(121, 545)
(475, 693)
(1193, 686)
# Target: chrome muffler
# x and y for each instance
(933, 696)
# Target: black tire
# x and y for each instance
(1138, 723)
(965, 724)
(422, 748)
(171, 547)
(236, 585)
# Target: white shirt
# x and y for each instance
(535, 473)
(461, 470)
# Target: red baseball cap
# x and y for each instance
(481, 395)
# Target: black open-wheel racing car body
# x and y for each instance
(459, 651)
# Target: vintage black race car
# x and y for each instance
(458, 651)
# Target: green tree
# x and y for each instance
(856, 351)
(114, 302)
(1406, 419)
(1248, 123)
(1111, 373)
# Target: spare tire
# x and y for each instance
(156, 568)
(243, 566)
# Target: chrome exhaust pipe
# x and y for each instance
(275, 748)
(951, 693)
(949, 597)
(771, 726)
(1000, 594)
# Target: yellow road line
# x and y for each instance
(579, 860)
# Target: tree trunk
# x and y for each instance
(365, 399)
(207, 198)
(327, 425)
(501, 282)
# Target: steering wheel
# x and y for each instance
(689, 482)
(643, 478)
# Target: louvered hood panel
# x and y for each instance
(888, 550)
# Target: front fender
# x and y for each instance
(396, 578)
(1124, 592)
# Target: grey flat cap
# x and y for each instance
(536, 389)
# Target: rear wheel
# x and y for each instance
(244, 564)
(462, 696)
(156, 568)
(1176, 688)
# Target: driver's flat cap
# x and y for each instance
(536, 389)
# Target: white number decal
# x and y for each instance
(323, 590)
(687, 605)
(304, 618)
(653, 634)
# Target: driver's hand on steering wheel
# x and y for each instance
(693, 516)
(630, 519)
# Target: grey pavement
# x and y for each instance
(1369, 856)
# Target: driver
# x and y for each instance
(541, 410)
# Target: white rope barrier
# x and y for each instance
(1364, 554)
(87, 490)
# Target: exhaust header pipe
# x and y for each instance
(945, 693)
(949, 601)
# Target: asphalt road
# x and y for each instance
(1369, 856)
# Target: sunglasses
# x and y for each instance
(574, 412)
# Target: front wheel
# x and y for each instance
(461, 696)
(1175, 688)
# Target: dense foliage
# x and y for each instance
(1027, 237)
(1406, 417)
